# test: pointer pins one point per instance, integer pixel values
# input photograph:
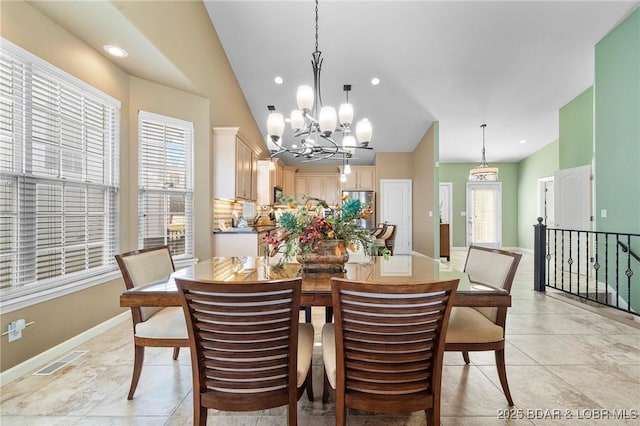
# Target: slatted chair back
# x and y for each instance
(390, 242)
(244, 344)
(389, 345)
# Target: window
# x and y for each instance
(165, 183)
(58, 176)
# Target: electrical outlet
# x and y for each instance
(15, 329)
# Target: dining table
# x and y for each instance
(316, 286)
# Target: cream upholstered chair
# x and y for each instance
(152, 326)
(248, 350)
(383, 353)
(483, 329)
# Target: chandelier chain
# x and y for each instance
(317, 25)
(317, 125)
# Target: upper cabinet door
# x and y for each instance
(361, 178)
(234, 173)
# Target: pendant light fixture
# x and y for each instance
(483, 171)
(316, 124)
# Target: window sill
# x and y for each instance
(44, 295)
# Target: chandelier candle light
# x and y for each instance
(483, 171)
(318, 140)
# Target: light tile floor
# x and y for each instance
(567, 363)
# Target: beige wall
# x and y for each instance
(62, 318)
(391, 165)
(193, 44)
(419, 167)
(218, 101)
(152, 97)
(424, 183)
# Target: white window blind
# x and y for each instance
(58, 176)
(165, 182)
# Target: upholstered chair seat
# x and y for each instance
(167, 323)
(482, 328)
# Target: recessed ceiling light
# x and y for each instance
(294, 146)
(278, 80)
(523, 141)
(375, 81)
(116, 51)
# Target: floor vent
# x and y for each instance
(57, 365)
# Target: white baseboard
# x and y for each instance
(55, 352)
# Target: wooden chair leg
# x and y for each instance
(465, 356)
(138, 358)
(341, 413)
(325, 388)
(502, 374)
(199, 416)
(176, 352)
(328, 314)
(307, 313)
(308, 384)
(293, 415)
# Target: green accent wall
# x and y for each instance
(617, 146)
(617, 128)
(542, 163)
(458, 175)
(576, 131)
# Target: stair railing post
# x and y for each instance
(539, 256)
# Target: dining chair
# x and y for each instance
(384, 351)
(378, 230)
(386, 239)
(248, 349)
(152, 326)
(483, 329)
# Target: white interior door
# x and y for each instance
(395, 209)
(573, 198)
(573, 211)
(484, 214)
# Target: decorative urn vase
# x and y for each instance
(330, 256)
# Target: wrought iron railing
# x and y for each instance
(600, 267)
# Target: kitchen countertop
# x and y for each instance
(249, 230)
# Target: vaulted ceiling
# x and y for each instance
(511, 65)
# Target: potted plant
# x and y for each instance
(320, 236)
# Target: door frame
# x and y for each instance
(469, 214)
(449, 185)
(542, 183)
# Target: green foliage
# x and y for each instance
(304, 228)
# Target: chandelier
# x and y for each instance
(483, 171)
(316, 125)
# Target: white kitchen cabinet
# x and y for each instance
(270, 175)
(320, 185)
(361, 178)
(239, 244)
(289, 181)
(234, 165)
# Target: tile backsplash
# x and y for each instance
(223, 209)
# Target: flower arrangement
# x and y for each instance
(308, 227)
